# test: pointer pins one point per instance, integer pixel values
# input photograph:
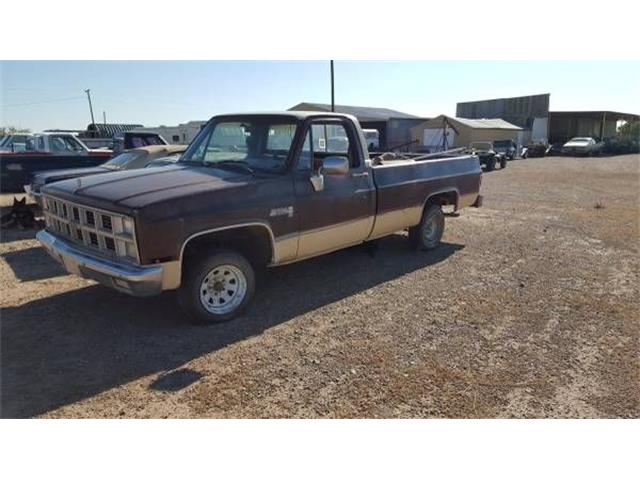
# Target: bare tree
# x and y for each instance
(10, 130)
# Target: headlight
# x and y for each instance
(127, 225)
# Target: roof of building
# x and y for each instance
(594, 113)
(479, 123)
(107, 130)
(370, 114)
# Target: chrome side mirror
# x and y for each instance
(330, 166)
(335, 166)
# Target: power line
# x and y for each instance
(53, 100)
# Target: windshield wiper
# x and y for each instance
(231, 163)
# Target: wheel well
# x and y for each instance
(443, 198)
(252, 241)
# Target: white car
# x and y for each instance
(581, 146)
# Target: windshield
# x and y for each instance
(255, 143)
(120, 161)
(481, 145)
(502, 143)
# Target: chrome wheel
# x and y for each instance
(223, 289)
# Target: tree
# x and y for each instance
(630, 130)
(9, 130)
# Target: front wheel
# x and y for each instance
(217, 287)
(428, 233)
(491, 164)
(503, 162)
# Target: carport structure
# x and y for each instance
(393, 126)
(598, 124)
(444, 132)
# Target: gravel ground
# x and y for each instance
(529, 309)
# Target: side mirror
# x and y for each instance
(335, 166)
(330, 166)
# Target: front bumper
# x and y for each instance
(137, 280)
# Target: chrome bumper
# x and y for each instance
(140, 281)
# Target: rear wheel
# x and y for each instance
(217, 287)
(428, 233)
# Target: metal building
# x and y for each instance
(394, 126)
(530, 112)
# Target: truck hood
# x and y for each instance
(134, 189)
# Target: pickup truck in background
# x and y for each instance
(23, 155)
(252, 190)
(43, 151)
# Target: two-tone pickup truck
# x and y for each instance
(251, 190)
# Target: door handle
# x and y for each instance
(360, 174)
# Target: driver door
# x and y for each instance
(342, 213)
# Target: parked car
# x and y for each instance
(128, 140)
(508, 148)
(251, 190)
(43, 151)
(488, 155)
(127, 160)
(582, 146)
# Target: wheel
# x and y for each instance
(503, 162)
(491, 164)
(427, 234)
(217, 287)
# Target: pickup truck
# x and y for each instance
(43, 151)
(251, 190)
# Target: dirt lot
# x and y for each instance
(530, 308)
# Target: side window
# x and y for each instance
(40, 145)
(58, 144)
(325, 139)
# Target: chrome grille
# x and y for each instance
(96, 229)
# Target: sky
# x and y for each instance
(50, 94)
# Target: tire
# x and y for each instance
(428, 233)
(503, 162)
(216, 287)
(491, 164)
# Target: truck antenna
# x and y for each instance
(333, 103)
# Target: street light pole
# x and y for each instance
(333, 103)
(88, 92)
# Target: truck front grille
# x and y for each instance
(92, 228)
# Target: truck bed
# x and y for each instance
(403, 186)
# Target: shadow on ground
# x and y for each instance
(32, 264)
(62, 349)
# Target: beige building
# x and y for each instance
(444, 132)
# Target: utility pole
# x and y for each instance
(104, 117)
(333, 103)
(88, 92)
